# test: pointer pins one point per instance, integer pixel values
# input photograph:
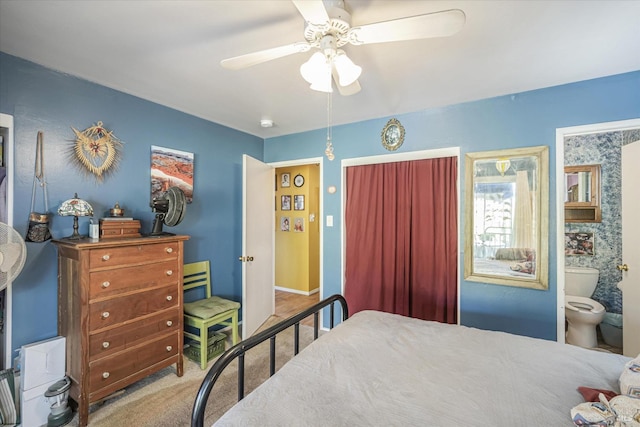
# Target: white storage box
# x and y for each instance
(42, 364)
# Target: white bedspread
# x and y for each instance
(379, 369)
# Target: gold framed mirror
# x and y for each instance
(392, 135)
(507, 217)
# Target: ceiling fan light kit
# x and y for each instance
(318, 70)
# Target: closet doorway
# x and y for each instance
(400, 234)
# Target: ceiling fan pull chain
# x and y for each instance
(329, 150)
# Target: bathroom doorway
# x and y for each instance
(607, 248)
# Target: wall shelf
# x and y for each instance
(582, 194)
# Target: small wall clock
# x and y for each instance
(298, 181)
(392, 135)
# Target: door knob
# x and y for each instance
(623, 267)
(245, 258)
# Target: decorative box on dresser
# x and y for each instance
(120, 309)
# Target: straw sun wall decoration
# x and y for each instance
(96, 151)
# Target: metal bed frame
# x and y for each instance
(238, 351)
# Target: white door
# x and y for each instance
(258, 216)
(630, 284)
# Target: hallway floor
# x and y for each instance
(289, 303)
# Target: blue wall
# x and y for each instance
(520, 120)
(41, 99)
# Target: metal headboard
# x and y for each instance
(238, 352)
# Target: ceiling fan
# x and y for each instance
(328, 28)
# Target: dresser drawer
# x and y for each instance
(129, 335)
(135, 254)
(109, 370)
(129, 307)
(110, 282)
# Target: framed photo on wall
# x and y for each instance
(169, 168)
(285, 203)
(298, 225)
(298, 202)
(285, 180)
(578, 243)
(284, 223)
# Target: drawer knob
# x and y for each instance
(169, 297)
(105, 375)
(169, 348)
(105, 257)
(105, 314)
(169, 323)
(169, 250)
(105, 344)
(105, 284)
(169, 272)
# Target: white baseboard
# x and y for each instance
(295, 291)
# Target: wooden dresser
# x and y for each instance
(120, 309)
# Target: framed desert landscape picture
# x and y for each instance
(171, 168)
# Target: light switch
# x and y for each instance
(329, 220)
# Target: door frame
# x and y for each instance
(6, 121)
(561, 134)
(392, 158)
(319, 216)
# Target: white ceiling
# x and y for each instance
(169, 52)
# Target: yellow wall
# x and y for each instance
(298, 252)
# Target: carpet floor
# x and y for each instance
(165, 400)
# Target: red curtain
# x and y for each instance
(401, 238)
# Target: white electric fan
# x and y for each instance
(13, 253)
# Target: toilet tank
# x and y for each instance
(580, 281)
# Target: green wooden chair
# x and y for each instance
(207, 312)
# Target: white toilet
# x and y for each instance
(583, 314)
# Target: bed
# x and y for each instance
(383, 369)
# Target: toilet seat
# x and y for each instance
(583, 304)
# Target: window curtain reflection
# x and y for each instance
(523, 213)
(401, 238)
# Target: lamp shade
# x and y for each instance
(347, 70)
(75, 207)
(315, 68)
(323, 85)
(317, 71)
(503, 165)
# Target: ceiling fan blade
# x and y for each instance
(251, 59)
(313, 11)
(438, 24)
